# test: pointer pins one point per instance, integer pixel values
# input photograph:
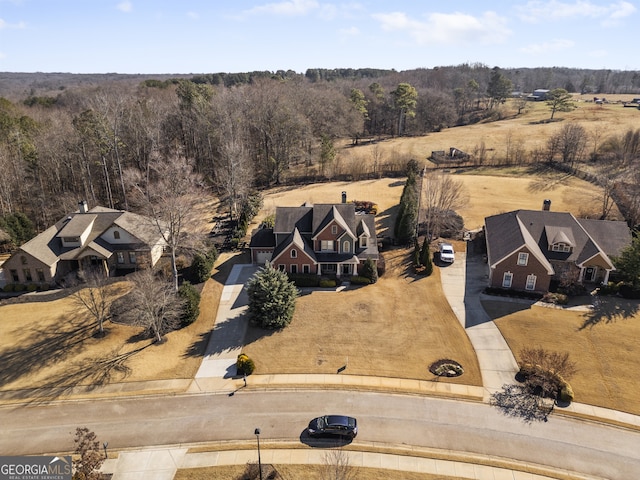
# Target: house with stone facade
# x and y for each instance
(111, 241)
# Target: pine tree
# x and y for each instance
(370, 271)
(272, 298)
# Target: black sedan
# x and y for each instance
(337, 425)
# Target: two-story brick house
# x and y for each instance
(322, 239)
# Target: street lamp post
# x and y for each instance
(257, 434)
(105, 445)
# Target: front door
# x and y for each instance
(345, 269)
(590, 274)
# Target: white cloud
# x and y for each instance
(536, 11)
(13, 26)
(288, 8)
(448, 28)
(350, 32)
(125, 6)
(555, 45)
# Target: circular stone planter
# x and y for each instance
(446, 368)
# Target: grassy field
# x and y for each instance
(397, 327)
(527, 131)
(602, 343)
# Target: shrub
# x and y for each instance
(191, 308)
(381, 266)
(360, 280)
(201, 268)
(369, 271)
(565, 394)
(32, 287)
(245, 365)
(609, 289)
(327, 283)
(19, 287)
(8, 288)
(555, 298)
(629, 291)
(304, 279)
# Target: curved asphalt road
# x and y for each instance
(579, 446)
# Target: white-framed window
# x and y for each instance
(120, 257)
(294, 253)
(132, 257)
(27, 275)
(507, 279)
(531, 282)
(346, 246)
(326, 245)
(334, 229)
(523, 259)
(363, 242)
(293, 268)
(306, 268)
(282, 267)
(560, 247)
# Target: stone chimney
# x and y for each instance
(82, 206)
(344, 197)
(546, 205)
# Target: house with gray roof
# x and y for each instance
(113, 241)
(528, 249)
(321, 239)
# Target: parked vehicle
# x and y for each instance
(336, 425)
(446, 253)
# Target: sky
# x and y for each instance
(211, 36)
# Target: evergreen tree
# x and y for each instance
(272, 298)
(191, 307)
(425, 258)
(628, 263)
(370, 271)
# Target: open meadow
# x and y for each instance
(527, 132)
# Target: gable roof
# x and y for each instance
(538, 229)
(47, 246)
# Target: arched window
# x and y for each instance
(346, 246)
(116, 234)
(294, 253)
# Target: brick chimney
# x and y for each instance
(546, 205)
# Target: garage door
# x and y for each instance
(262, 257)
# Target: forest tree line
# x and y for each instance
(238, 131)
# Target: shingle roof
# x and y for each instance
(47, 246)
(537, 229)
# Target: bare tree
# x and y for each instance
(545, 370)
(336, 466)
(570, 142)
(89, 457)
(441, 195)
(95, 298)
(168, 198)
(153, 304)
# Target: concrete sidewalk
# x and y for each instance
(162, 464)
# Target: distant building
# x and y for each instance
(538, 95)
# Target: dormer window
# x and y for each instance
(116, 234)
(363, 242)
(560, 247)
(334, 229)
(346, 246)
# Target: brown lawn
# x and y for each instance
(394, 328)
(515, 131)
(603, 343)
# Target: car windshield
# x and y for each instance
(447, 250)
